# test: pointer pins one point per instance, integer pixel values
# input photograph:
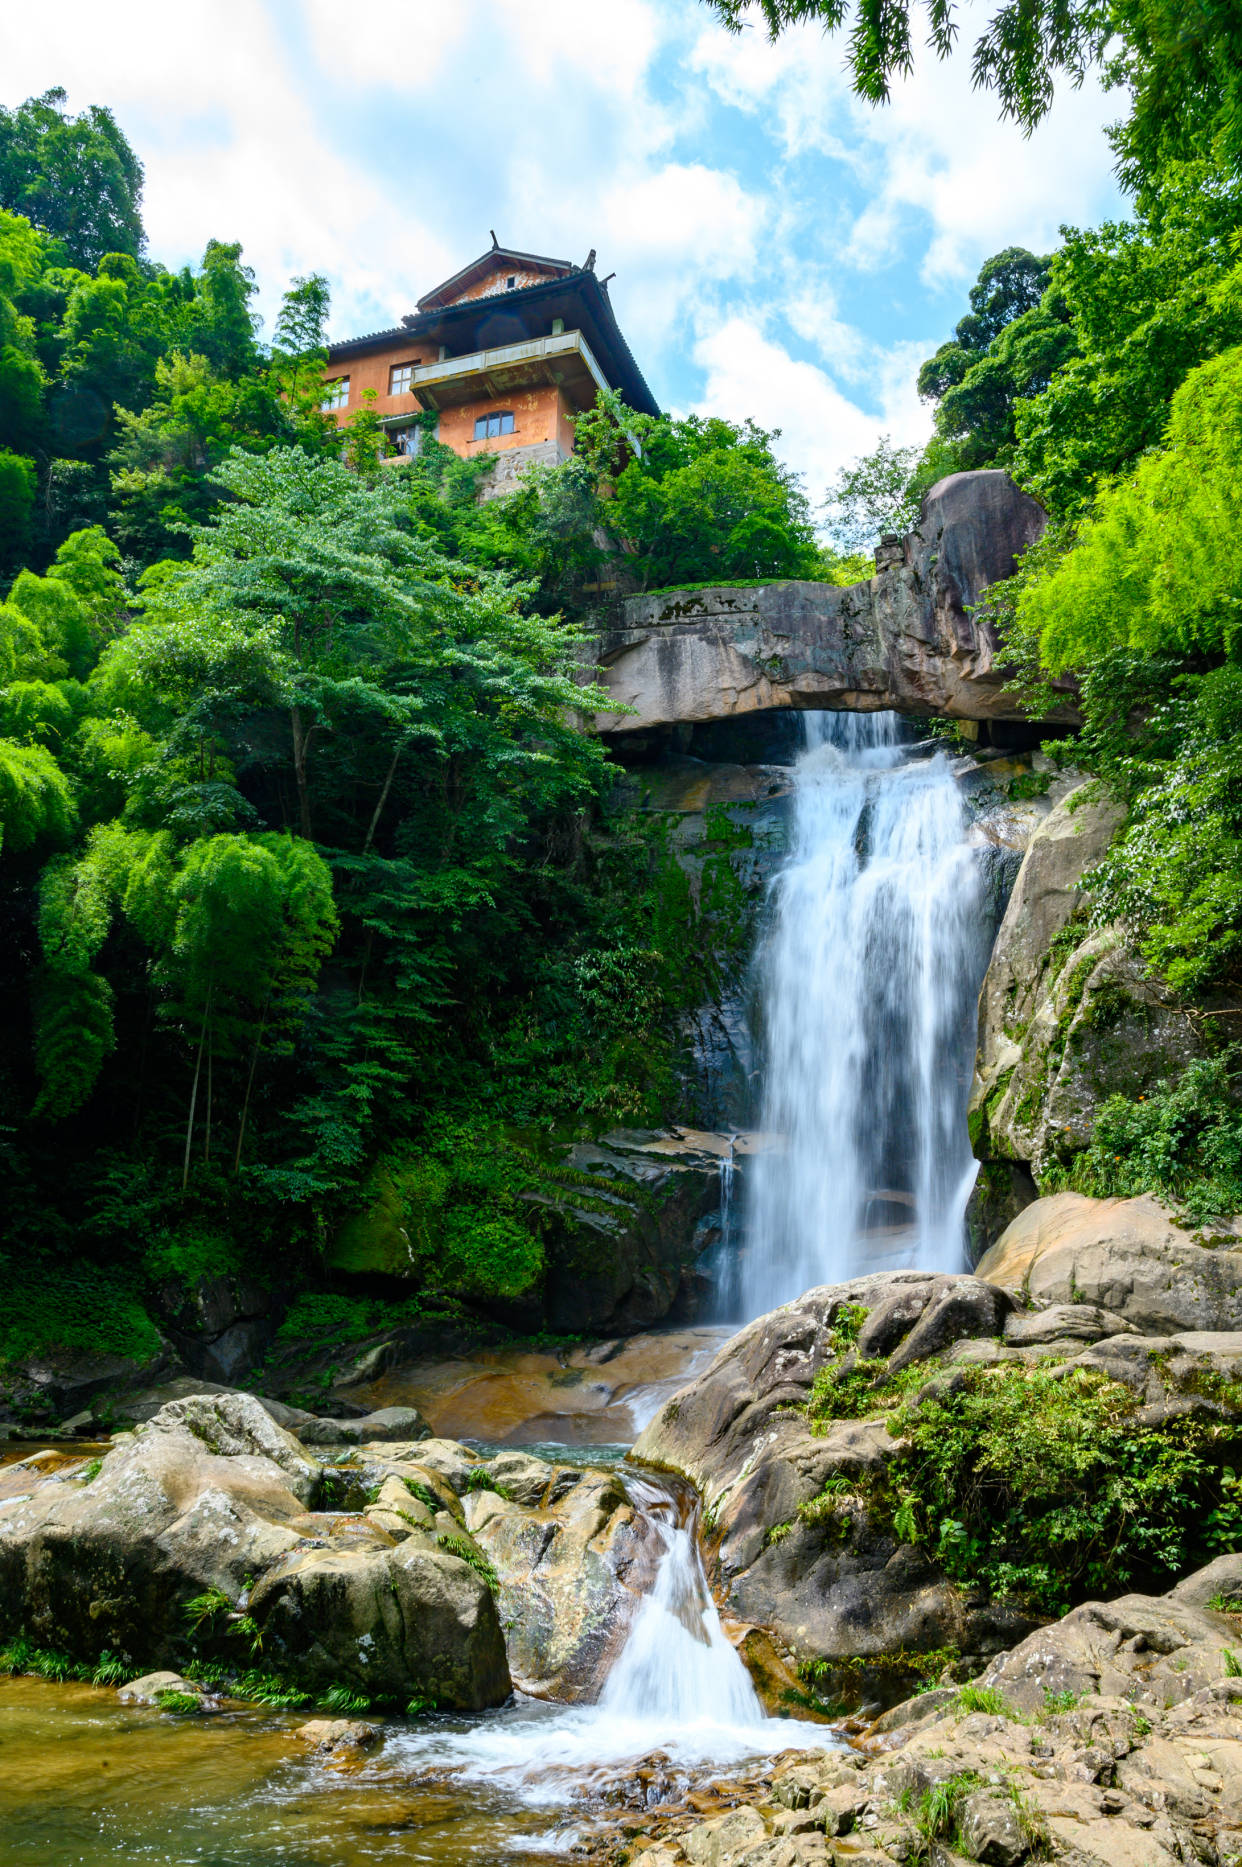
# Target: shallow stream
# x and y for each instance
(87, 1780)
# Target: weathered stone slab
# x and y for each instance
(907, 639)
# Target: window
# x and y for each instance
(401, 378)
(407, 440)
(488, 426)
(336, 395)
(511, 283)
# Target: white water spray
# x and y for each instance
(678, 1666)
(678, 1689)
(869, 974)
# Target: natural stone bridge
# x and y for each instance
(906, 639)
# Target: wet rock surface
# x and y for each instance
(573, 1564)
(803, 1536)
(740, 1434)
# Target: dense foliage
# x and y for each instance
(316, 913)
(1179, 67)
(1041, 1482)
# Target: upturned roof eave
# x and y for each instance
(606, 340)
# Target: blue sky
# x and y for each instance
(781, 249)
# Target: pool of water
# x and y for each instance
(88, 1782)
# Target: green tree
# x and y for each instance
(1006, 349)
(18, 478)
(301, 346)
(254, 922)
(875, 495)
(75, 177)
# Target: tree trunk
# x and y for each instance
(301, 741)
(211, 1057)
(254, 1064)
(189, 1126)
(383, 798)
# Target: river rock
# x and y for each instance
(738, 1435)
(151, 1687)
(212, 1496)
(634, 1218)
(236, 1425)
(1128, 1257)
(1148, 1649)
(220, 1324)
(108, 1561)
(347, 1737)
(398, 1423)
(622, 1238)
(415, 1621)
(572, 1568)
(59, 1383)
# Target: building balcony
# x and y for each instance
(564, 361)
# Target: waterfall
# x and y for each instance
(678, 1666)
(677, 1688)
(868, 976)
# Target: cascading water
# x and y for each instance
(677, 1688)
(868, 978)
(677, 1666)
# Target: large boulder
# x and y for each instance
(741, 1435)
(573, 1561)
(1068, 1014)
(416, 1621)
(1149, 1649)
(1127, 1255)
(625, 1220)
(107, 1559)
(234, 1425)
(212, 1502)
(635, 1211)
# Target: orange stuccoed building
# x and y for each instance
(505, 354)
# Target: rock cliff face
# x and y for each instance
(1067, 1016)
(905, 640)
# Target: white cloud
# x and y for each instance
(378, 142)
(938, 150)
(393, 45)
(822, 430)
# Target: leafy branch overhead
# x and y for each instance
(1178, 68)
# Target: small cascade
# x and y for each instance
(725, 1260)
(677, 1690)
(868, 979)
(678, 1667)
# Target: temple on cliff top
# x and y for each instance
(505, 353)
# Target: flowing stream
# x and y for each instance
(868, 980)
(88, 1781)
